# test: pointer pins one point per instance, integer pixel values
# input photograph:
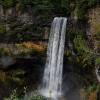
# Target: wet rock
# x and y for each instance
(25, 18)
(98, 95)
(6, 61)
(98, 72)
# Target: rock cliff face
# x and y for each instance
(15, 24)
(94, 23)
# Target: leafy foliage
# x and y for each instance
(13, 96)
(83, 56)
(31, 96)
(64, 7)
(8, 3)
(79, 43)
(84, 5)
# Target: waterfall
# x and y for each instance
(52, 78)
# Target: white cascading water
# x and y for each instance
(52, 79)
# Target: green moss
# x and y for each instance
(18, 76)
(2, 29)
(98, 35)
(97, 60)
(67, 53)
(80, 13)
(83, 6)
(5, 51)
(8, 3)
(79, 43)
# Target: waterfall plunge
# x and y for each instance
(52, 79)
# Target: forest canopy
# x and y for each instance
(64, 7)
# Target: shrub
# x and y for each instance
(13, 96)
(30, 96)
(79, 43)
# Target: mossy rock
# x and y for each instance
(98, 35)
(2, 29)
(97, 60)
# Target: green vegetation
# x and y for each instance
(13, 96)
(79, 43)
(8, 3)
(5, 52)
(79, 54)
(2, 29)
(98, 35)
(46, 7)
(98, 60)
(31, 96)
(84, 5)
(18, 75)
